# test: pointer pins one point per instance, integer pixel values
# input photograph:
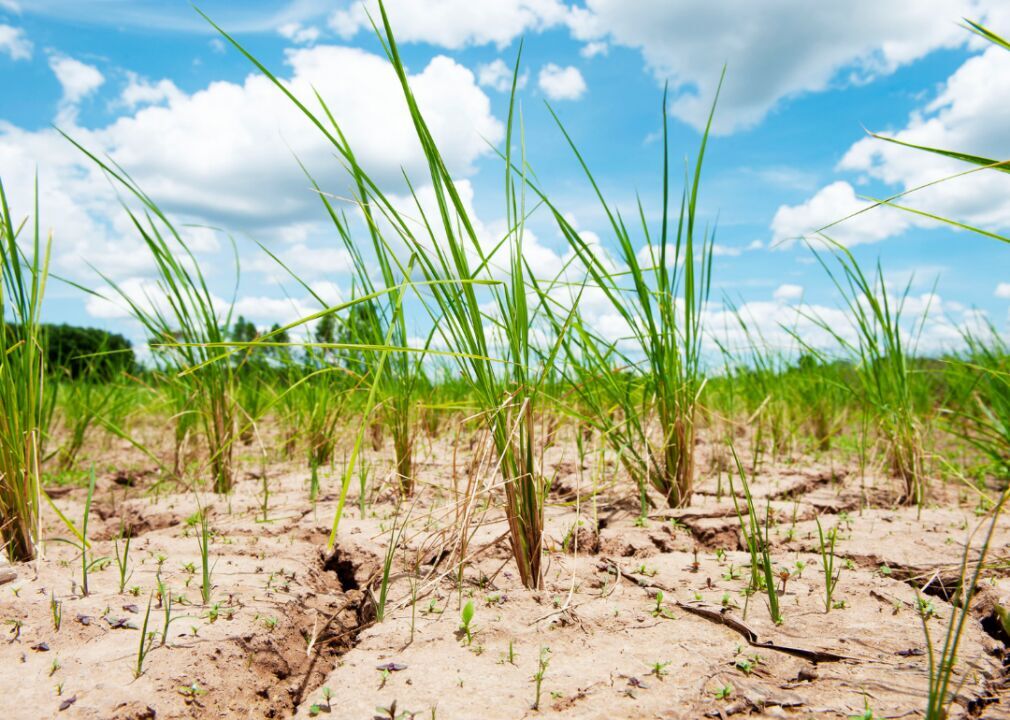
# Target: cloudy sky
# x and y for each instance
(150, 84)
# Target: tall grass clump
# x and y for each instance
(661, 295)
(22, 383)
(379, 321)
(886, 376)
(983, 417)
(454, 284)
(184, 323)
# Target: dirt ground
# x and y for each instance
(291, 630)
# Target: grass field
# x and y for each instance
(452, 496)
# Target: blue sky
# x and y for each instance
(150, 83)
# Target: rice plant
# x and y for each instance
(454, 264)
(757, 542)
(885, 373)
(84, 403)
(184, 322)
(941, 665)
(661, 297)
(983, 418)
(24, 265)
(379, 321)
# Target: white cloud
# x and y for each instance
(1003, 291)
(498, 76)
(171, 17)
(299, 34)
(775, 322)
(217, 45)
(78, 80)
(831, 203)
(773, 50)
(787, 292)
(453, 24)
(969, 114)
(594, 48)
(141, 91)
(223, 155)
(306, 261)
(14, 44)
(561, 83)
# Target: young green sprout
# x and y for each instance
(203, 539)
(56, 610)
(659, 669)
(146, 641)
(122, 561)
(88, 561)
(827, 547)
(659, 610)
(538, 676)
(466, 617)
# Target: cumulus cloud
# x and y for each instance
(140, 91)
(298, 34)
(498, 76)
(688, 42)
(969, 114)
(1003, 290)
(453, 24)
(561, 83)
(223, 154)
(780, 321)
(788, 291)
(14, 44)
(594, 48)
(78, 81)
(834, 202)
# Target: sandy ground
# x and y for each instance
(291, 630)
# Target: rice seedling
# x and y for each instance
(941, 666)
(982, 417)
(123, 560)
(88, 561)
(56, 611)
(22, 383)
(146, 642)
(395, 533)
(465, 619)
(663, 313)
(380, 322)
(827, 549)
(203, 540)
(165, 595)
(538, 677)
(758, 545)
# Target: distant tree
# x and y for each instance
(243, 330)
(360, 327)
(326, 332)
(86, 352)
(277, 335)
